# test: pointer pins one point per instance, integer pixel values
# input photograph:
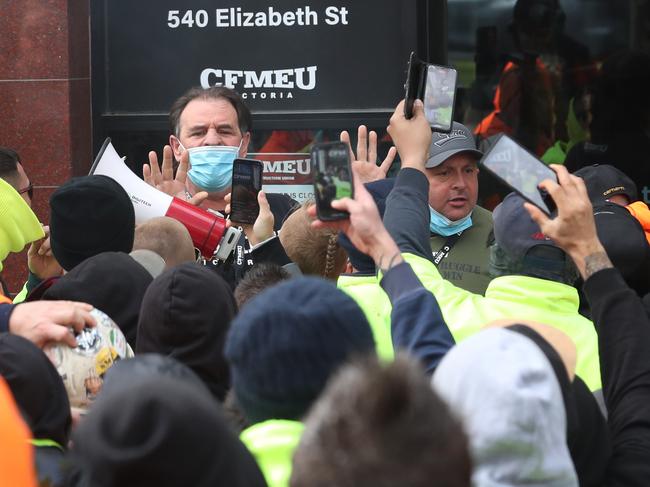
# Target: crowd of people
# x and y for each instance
(423, 341)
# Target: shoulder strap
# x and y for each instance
(446, 248)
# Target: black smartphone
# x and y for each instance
(246, 184)
(332, 178)
(520, 170)
(436, 86)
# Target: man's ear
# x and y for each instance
(244, 144)
(176, 147)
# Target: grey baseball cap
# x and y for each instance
(443, 146)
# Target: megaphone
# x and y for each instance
(208, 230)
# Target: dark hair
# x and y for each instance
(9, 161)
(257, 279)
(381, 425)
(244, 118)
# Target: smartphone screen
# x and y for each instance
(520, 170)
(246, 184)
(439, 96)
(436, 87)
(332, 178)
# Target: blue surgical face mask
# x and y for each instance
(211, 166)
(441, 225)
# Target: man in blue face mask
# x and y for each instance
(459, 228)
(210, 129)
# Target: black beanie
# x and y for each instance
(90, 215)
(287, 342)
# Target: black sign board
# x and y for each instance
(291, 60)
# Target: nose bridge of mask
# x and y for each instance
(214, 149)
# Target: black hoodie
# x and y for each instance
(160, 430)
(41, 396)
(112, 282)
(186, 314)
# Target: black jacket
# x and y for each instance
(242, 258)
(624, 344)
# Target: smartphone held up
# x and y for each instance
(332, 178)
(246, 184)
(436, 87)
(521, 171)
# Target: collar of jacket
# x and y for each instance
(272, 443)
(554, 296)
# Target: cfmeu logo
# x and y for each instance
(265, 83)
(453, 135)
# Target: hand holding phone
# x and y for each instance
(246, 184)
(332, 178)
(436, 87)
(521, 171)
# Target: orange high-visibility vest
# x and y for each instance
(16, 454)
(641, 212)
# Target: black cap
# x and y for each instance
(604, 181)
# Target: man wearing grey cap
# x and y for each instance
(459, 228)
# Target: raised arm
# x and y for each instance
(622, 324)
(407, 206)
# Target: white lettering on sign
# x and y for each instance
(237, 17)
(301, 78)
(288, 167)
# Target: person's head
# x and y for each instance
(536, 23)
(520, 248)
(185, 314)
(381, 425)
(587, 434)
(508, 397)
(18, 223)
(111, 281)
(168, 238)
(37, 388)
(256, 280)
(286, 342)
(90, 215)
(624, 240)
(316, 251)
(147, 365)
(452, 172)
(607, 183)
(212, 116)
(12, 171)
(157, 429)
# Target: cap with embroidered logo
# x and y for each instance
(604, 181)
(443, 146)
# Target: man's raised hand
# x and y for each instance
(365, 160)
(574, 228)
(412, 137)
(164, 180)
